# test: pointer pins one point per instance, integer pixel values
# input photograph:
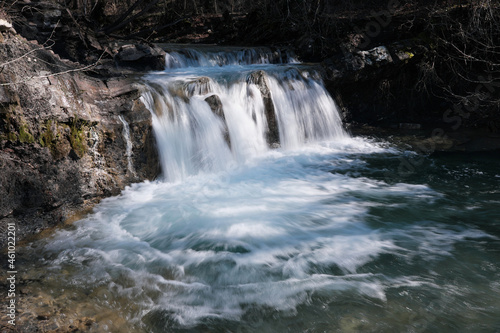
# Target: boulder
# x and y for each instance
(216, 105)
(377, 56)
(141, 57)
(381, 61)
(376, 86)
(200, 86)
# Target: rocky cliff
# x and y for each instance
(62, 139)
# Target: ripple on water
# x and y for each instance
(282, 240)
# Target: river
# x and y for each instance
(314, 231)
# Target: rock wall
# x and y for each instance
(62, 144)
(378, 86)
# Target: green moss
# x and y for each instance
(54, 136)
(77, 137)
(24, 135)
(48, 139)
(11, 136)
(5, 119)
(13, 125)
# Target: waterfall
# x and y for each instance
(207, 56)
(207, 118)
(126, 137)
(272, 219)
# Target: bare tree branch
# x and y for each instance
(127, 21)
(55, 74)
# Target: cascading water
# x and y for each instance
(126, 137)
(182, 57)
(269, 218)
(205, 123)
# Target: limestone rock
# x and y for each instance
(375, 57)
(6, 26)
(371, 64)
(141, 57)
(366, 82)
(61, 141)
(200, 86)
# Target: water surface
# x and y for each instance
(322, 234)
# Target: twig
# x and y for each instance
(55, 74)
(25, 55)
(44, 47)
(78, 27)
(12, 4)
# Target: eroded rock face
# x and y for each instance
(62, 147)
(376, 86)
(381, 61)
(259, 79)
(200, 86)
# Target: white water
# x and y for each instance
(306, 112)
(128, 151)
(191, 137)
(210, 57)
(304, 235)
(271, 235)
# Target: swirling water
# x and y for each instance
(321, 234)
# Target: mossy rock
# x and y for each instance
(77, 137)
(54, 137)
(409, 54)
(12, 136)
(24, 134)
(7, 126)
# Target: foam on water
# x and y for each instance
(231, 238)
(269, 234)
(236, 229)
(193, 138)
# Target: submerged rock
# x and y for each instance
(200, 86)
